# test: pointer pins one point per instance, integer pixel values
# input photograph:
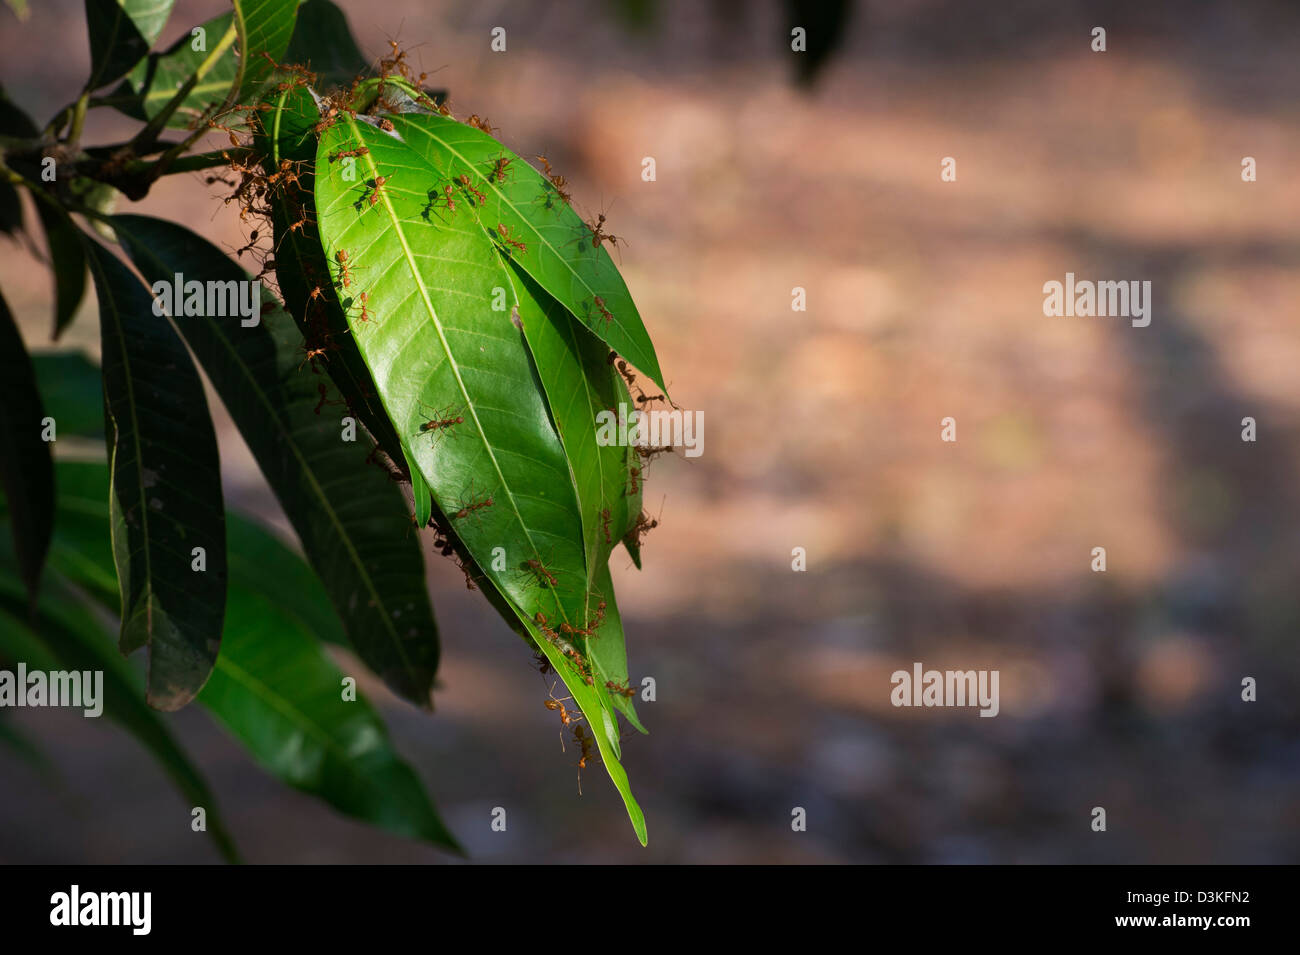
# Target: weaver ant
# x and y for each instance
(377, 186)
(475, 505)
(557, 181)
(345, 275)
(538, 570)
(623, 689)
(498, 173)
(604, 523)
(343, 153)
(440, 423)
(513, 243)
(464, 181)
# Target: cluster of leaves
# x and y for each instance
(434, 288)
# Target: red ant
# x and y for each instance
(558, 182)
(440, 423)
(331, 117)
(505, 237)
(635, 474)
(498, 173)
(468, 509)
(451, 202)
(341, 256)
(323, 390)
(252, 243)
(464, 181)
(311, 355)
(584, 743)
(480, 124)
(378, 188)
(604, 523)
(598, 233)
(539, 570)
(365, 314)
(342, 153)
(626, 373)
(605, 313)
(623, 689)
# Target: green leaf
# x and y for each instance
(283, 698)
(438, 352)
(19, 7)
(158, 79)
(64, 635)
(121, 32)
(68, 262)
(604, 729)
(26, 471)
(265, 26)
(351, 518)
(72, 390)
(272, 686)
(302, 272)
(456, 376)
(166, 489)
(82, 549)
(323, 42)
(580, 384)
(559, 252)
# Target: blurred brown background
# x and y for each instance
(1119, 690)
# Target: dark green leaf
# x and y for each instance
(157, 80)
(272, 686)
(265, 27)
(68, 262)
(166, 489)
(72, 390)
(26, 471)
(323, 42)
(350, 516)
(283, 698)
(121, 32)
(64, 635)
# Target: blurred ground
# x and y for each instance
(822, 431)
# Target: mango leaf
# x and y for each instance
(454, 375)
(68, 263)
(302, 272)
(604, 728)
(121, 32)
(166, 490)
(265, 27)
(156, 80)
(556, 246)
(580, 384)
(323, 42)
(429, 298)
(273, 687)
(26, 471)
(64, 635)
(351, 518)
(72, 390)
